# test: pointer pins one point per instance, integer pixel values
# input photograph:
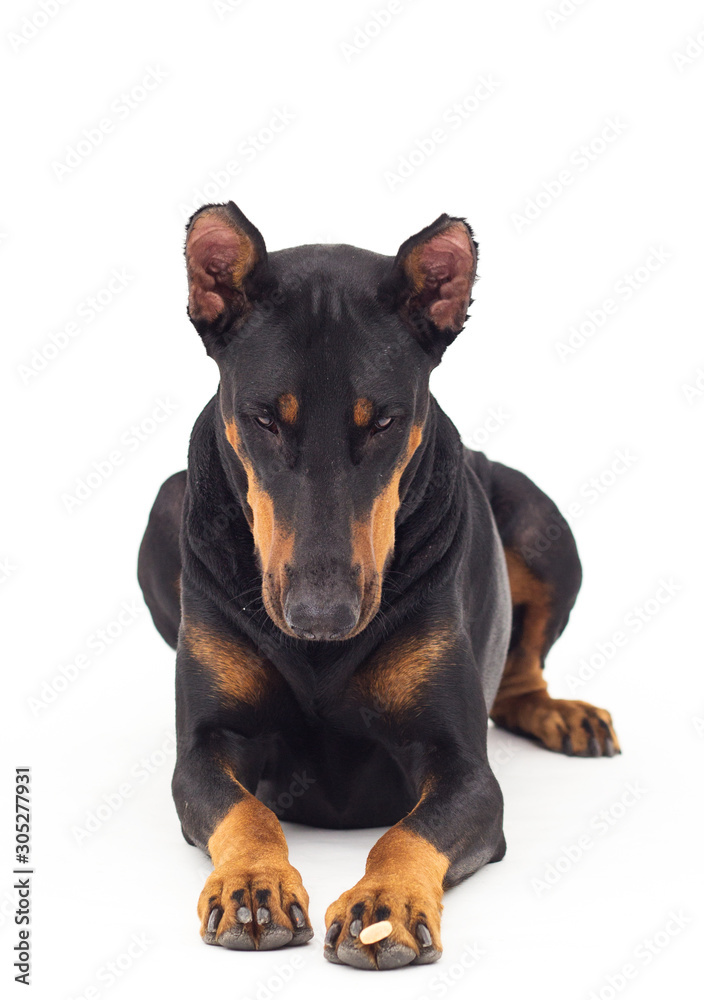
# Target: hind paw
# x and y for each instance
(575, 728)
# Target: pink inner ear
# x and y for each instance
(218, 257)
(447, 263)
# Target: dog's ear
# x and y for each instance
(430, 282)
(228, 272)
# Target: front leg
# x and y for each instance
(436, 716)
(254, 898)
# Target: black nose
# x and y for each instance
(328, 621)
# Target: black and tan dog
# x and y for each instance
(350, 591)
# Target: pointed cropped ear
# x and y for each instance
(228, 272)
(431, 280)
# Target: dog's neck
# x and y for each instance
(434, 509)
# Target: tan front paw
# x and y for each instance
(248, 909)
(412, 912)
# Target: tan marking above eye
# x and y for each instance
(363, 410)
(288, 407)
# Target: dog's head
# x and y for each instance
(325, 353)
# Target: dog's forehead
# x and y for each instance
(324, 330)
(338, 265)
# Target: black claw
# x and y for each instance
(214, 919)
(333, 933)
(593, 748)
(244, 915)
(355, 928)
(331, 937)
(302, 936)
(567, 745)
(297, 916)
(423, 935)
(609, 745)
(263, 915)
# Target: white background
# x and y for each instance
(356, 112)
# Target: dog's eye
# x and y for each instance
(268, 423)
(382, 424)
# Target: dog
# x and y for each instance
(350, 591)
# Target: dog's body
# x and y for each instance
(350, 591)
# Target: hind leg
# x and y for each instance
(159, 567)
(545, 576)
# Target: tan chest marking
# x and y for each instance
(240, 674)
(395, 677)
